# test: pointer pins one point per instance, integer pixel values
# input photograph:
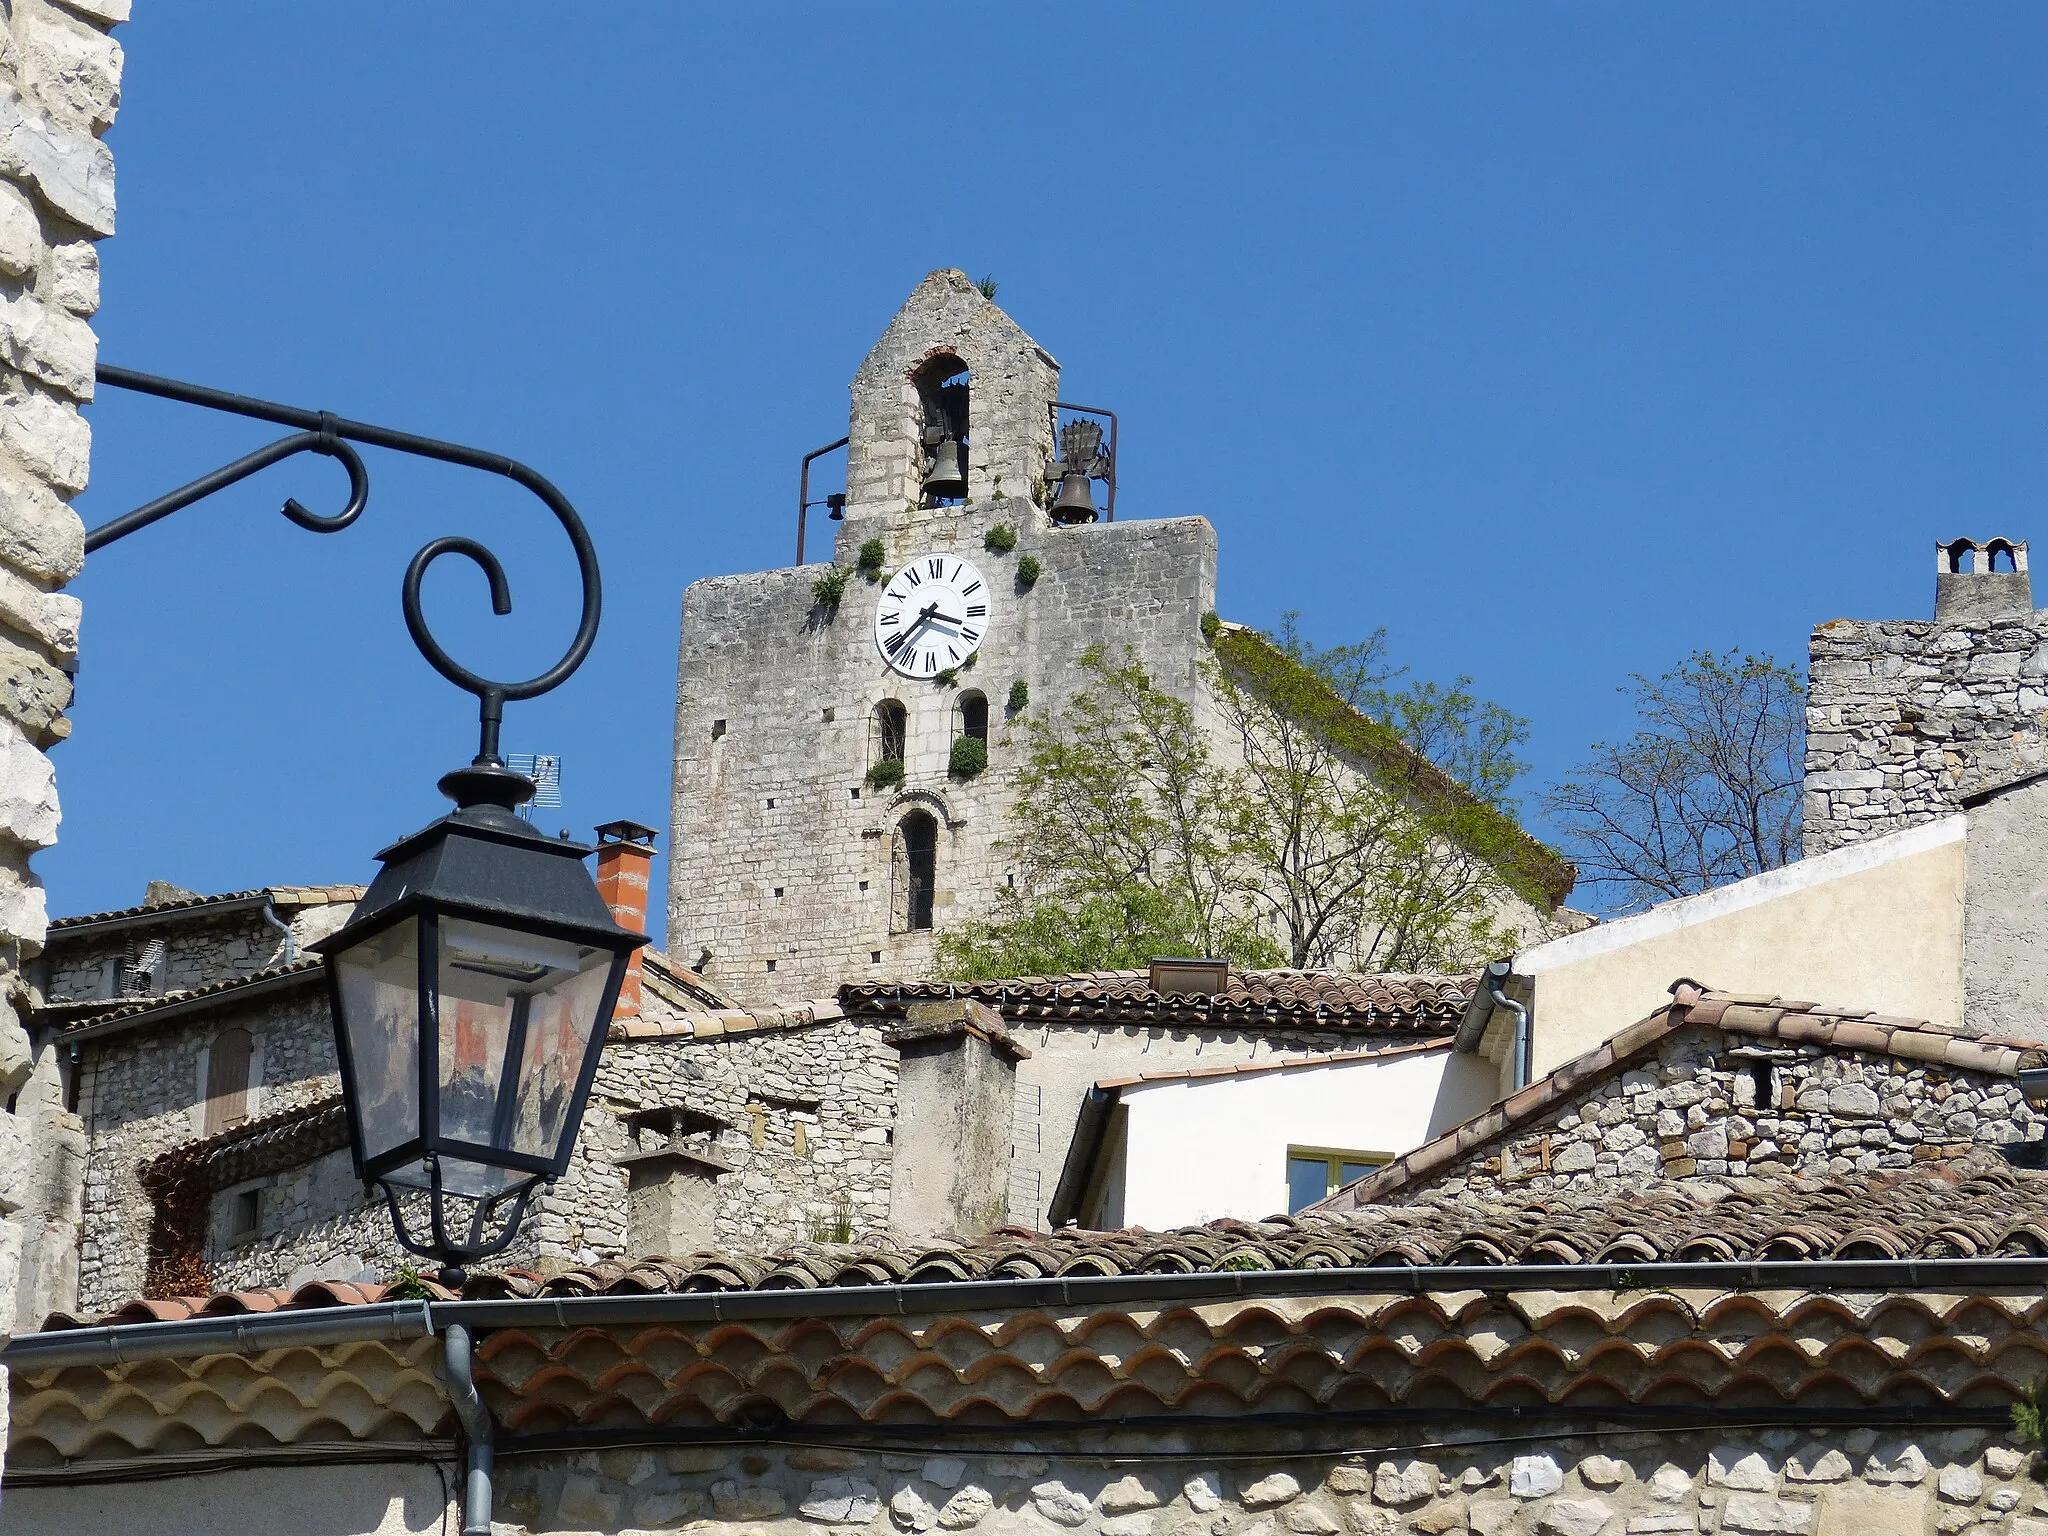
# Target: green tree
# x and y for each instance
(1706, 791)
(1320, 837)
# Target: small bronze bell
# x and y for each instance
(947, 479)
(1076, 500)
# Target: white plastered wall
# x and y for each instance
(1204, 1148)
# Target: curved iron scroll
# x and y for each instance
(324, 433)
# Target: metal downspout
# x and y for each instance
(291, 945)
(1495, 975)
(477, 1430)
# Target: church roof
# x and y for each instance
(1305, 999)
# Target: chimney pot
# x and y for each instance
(625, 857)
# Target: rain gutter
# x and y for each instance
(120, 1343)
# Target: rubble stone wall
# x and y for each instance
(200, 951)
(1693, 1110)
(1901, 715)
(1770, 1482)
(144, 1094)
(60, 87)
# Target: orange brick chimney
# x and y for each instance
(625, 854)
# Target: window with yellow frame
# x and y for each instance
(1315, 1172)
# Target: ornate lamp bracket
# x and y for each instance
(325, 433)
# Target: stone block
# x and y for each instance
(1404, 1485)
(1058, 1503)
(1960, 1485)
(910, 1510)
(1128, 1493)
(587, 1501)
(841, 1501)
(21, 232)
(72, 172)
(1603, 1472)
(73, 70)
(968, 1507)
(1274, 1488)
(1755, 1515)
(1304, 1519)
(944, 1471)
(747, 1501)
(1534, 1477)
(1203, 1491)
(1575, 1517)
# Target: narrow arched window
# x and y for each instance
(942, 398)
(1998, 556)
(227, 1080)
(972, 715)
(892, 731)
(916, 871)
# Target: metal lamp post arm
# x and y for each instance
(325, 433)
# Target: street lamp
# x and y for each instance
(473, 986)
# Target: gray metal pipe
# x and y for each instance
(268, 913)
(1497, 973)
(477, 1431)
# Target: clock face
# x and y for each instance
(932, 616)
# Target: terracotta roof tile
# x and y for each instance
(281, 895)
(1322, 999)
(1975, 1208)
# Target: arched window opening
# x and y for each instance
(972, 715)
(916, 873)
(227, 1080)
(942, 386)
(892, 738)
(1959, 554)
(1998, 556)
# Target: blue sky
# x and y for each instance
(1561, 340)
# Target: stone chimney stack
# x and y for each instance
(1977, 583)
(625, 855)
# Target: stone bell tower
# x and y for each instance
(828, 822)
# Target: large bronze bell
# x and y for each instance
(947, 478)
(1076, 500)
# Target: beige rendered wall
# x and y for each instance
(377, 1499)
(1877, 925)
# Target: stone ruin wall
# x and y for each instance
(1692, 1111)
(60, 87)
(1823, 1481)
(1903, 714)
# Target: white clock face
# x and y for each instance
(932, 616)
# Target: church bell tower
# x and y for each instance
(847, 736)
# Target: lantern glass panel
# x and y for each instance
(379, 981)
(517, 1012)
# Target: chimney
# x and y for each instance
(625, 854)
(1981, 583)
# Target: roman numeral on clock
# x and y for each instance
(937, 568)
(979, 610)
(970, 589)
(894, 644)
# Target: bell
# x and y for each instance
(947, 479)
(1076, 500)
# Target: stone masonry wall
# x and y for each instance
(60, 87)
(1768, 1482)
(1900, 715)
(143, 1095)
(200, 951)
(1692, 1110)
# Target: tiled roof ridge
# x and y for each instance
(306, 965)
(282, 895)
(714, 1022)
(1975, 1207)
(1770, 1017)
(1282, 1064)
(1359, 999)
(261, 1128)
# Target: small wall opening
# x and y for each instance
(1997, 556)
(971, 716)
(892, 732)
(942, 397)
(916, 872)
